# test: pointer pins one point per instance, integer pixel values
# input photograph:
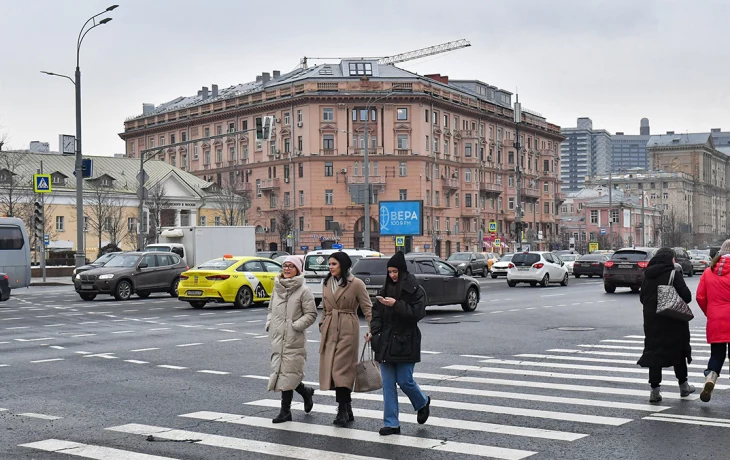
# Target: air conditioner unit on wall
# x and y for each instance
(300, 124)
(343, 170)
(266, 229)
(278, 120)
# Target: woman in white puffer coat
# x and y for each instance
(291, 311)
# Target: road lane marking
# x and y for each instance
(123, 332)
(160, 329)
(89, 451)
(17, 327)
(135, 361)
(143, 349)
(40, 416)
(179, 316)
(46, 360)
(227, 330)
(367, 436)
(431, 352)
(552, 295)
(441, 422)
(229, 340)
(34, 340)
(213, 372)
(224, 324)
(190, 344)
(57, 347)
(168, 366)
(83, 335)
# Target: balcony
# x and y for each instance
(360, 180)
(560, 197)
(488, 187)
(246, 187)
(450, 184)
(530, 193)
(403, 151)
(270, 184)
(371, 151)
(470, 212)
(328, 152)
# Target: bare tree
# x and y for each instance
(14, 187)
(232, 203)
(672, 235)
(156, 203)
(49, 226)
(100, 204)
(285, 223)
(116, 222)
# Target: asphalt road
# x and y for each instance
(544, 373)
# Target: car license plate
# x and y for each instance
(87, 287)
(313, 280)
(625, 266)
(194, 293)
(373, 291)
(524, 269)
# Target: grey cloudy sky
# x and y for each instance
(615, 60)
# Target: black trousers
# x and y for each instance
(343, 395)
(680, 371)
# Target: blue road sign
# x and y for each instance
(42, 183)
(304, 248)
(603, 230)
(46, 239)
(337, 246)
(426, 246)
(400, 240)
(87, 167)
(401, 218)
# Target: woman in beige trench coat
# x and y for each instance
(291, 311)
(342, 293)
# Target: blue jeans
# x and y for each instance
(402, 374)
(717, 357)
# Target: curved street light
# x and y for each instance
(80, 244)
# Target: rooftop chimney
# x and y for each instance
(215, 90)
(670, 132)
(277, 74)
(265, 77)
(147, 108)
(439, 78)
(715, 130)
(619, 133)
(205, 93)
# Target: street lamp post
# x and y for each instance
(142, 195)
(80, 244)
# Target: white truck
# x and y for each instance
(200, 244)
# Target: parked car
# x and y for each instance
(100, 262)
(4, 287)
(568, 260)
(271, 254)
(444, 284)
(536, 267)
(140, 273)
(590, 265)
(470, 262)
(700, 262)
(499, 268)
(626, 268)
(681, 256)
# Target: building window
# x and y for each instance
(131, 224)
(511, 181)
(328, 142)
(402, 114)
(287, 199)
(206, 159)
(173, 162)
(428, 144)
(402, 141)
(665, 184)
(665, 196)
(206, 132)
(467, 200)
(60, 223)
(435, 118)
(328, 196)
(546, 207)
(511, 158)
(301, 197)
(217, 221)
(546, 165)
(546, 187)
(287, 118)
(328, 169)
(203, 221)
(467, 175)
(301, 223)
(258, 187)
(437, 199)
(511, 204)
(594, 216)
(299, 116)
(446, 121)
(402, 169)
(435, 145)
(162, 141)
(614, 216)
(403, 194)
(456, 199)
(272, 200)
(328, 114)
(361, 69)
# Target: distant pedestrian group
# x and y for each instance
(393, 334)
(667, 338)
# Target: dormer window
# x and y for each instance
(58, 179)
(361, 69)
(106, 182)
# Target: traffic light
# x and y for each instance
(38, 219)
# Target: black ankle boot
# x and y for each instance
(341, 418)
(307, 394)
(350, 415)
(285, 412)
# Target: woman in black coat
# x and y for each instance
(666, 340)
(396, 341)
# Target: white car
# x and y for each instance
(536, 267)
(569, 259)
(501, 266)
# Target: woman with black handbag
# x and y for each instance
(396, 341)
(666, 339)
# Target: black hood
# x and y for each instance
(662, 262)
(398, 261)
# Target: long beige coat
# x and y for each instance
(291, 311)
(340, 329)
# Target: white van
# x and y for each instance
(316, 266)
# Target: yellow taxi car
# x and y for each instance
(242, 281)
(492, 258)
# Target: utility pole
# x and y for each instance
(518, 173)
(643, 221)
(366, 166)
(610, 216)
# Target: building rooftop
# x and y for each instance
(668, 140)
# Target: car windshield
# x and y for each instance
(124, 260)
(630, 255)
(104, 259)
(506, 258)
(370, 267)
(568, 257)
(216, 264)
(460, 256)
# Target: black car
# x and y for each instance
(589, 265)
(626, 268)
(684, 260)
(444, 284)
(100, 262)
(4, 287)
(470, 262)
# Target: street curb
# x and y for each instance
(49, 283)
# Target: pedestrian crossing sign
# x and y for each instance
(400, 240)
(42, 183)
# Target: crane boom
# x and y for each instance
(423, 52)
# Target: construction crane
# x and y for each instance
(408, 56)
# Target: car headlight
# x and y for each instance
(78, 277)
(462, 264)
(106, 277)
(75, 271)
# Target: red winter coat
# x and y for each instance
(713, 297)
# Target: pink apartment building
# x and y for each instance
(448, 143)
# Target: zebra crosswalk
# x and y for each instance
(482, 407)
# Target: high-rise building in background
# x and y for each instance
(584, 152)
(629, 150)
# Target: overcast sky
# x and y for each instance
(615, 61)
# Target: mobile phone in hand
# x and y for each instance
(379, 298)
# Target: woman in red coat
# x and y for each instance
(713, 297)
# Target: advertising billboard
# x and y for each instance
(401, 218)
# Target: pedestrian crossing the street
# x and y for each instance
(482, 407)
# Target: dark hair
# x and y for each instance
(345, 265)
(715, 260)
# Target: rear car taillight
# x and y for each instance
(183, 277)
(6, 277)
(608, 264)
(510, 265)
(643, 264)
(538, 265)
(217, 277)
